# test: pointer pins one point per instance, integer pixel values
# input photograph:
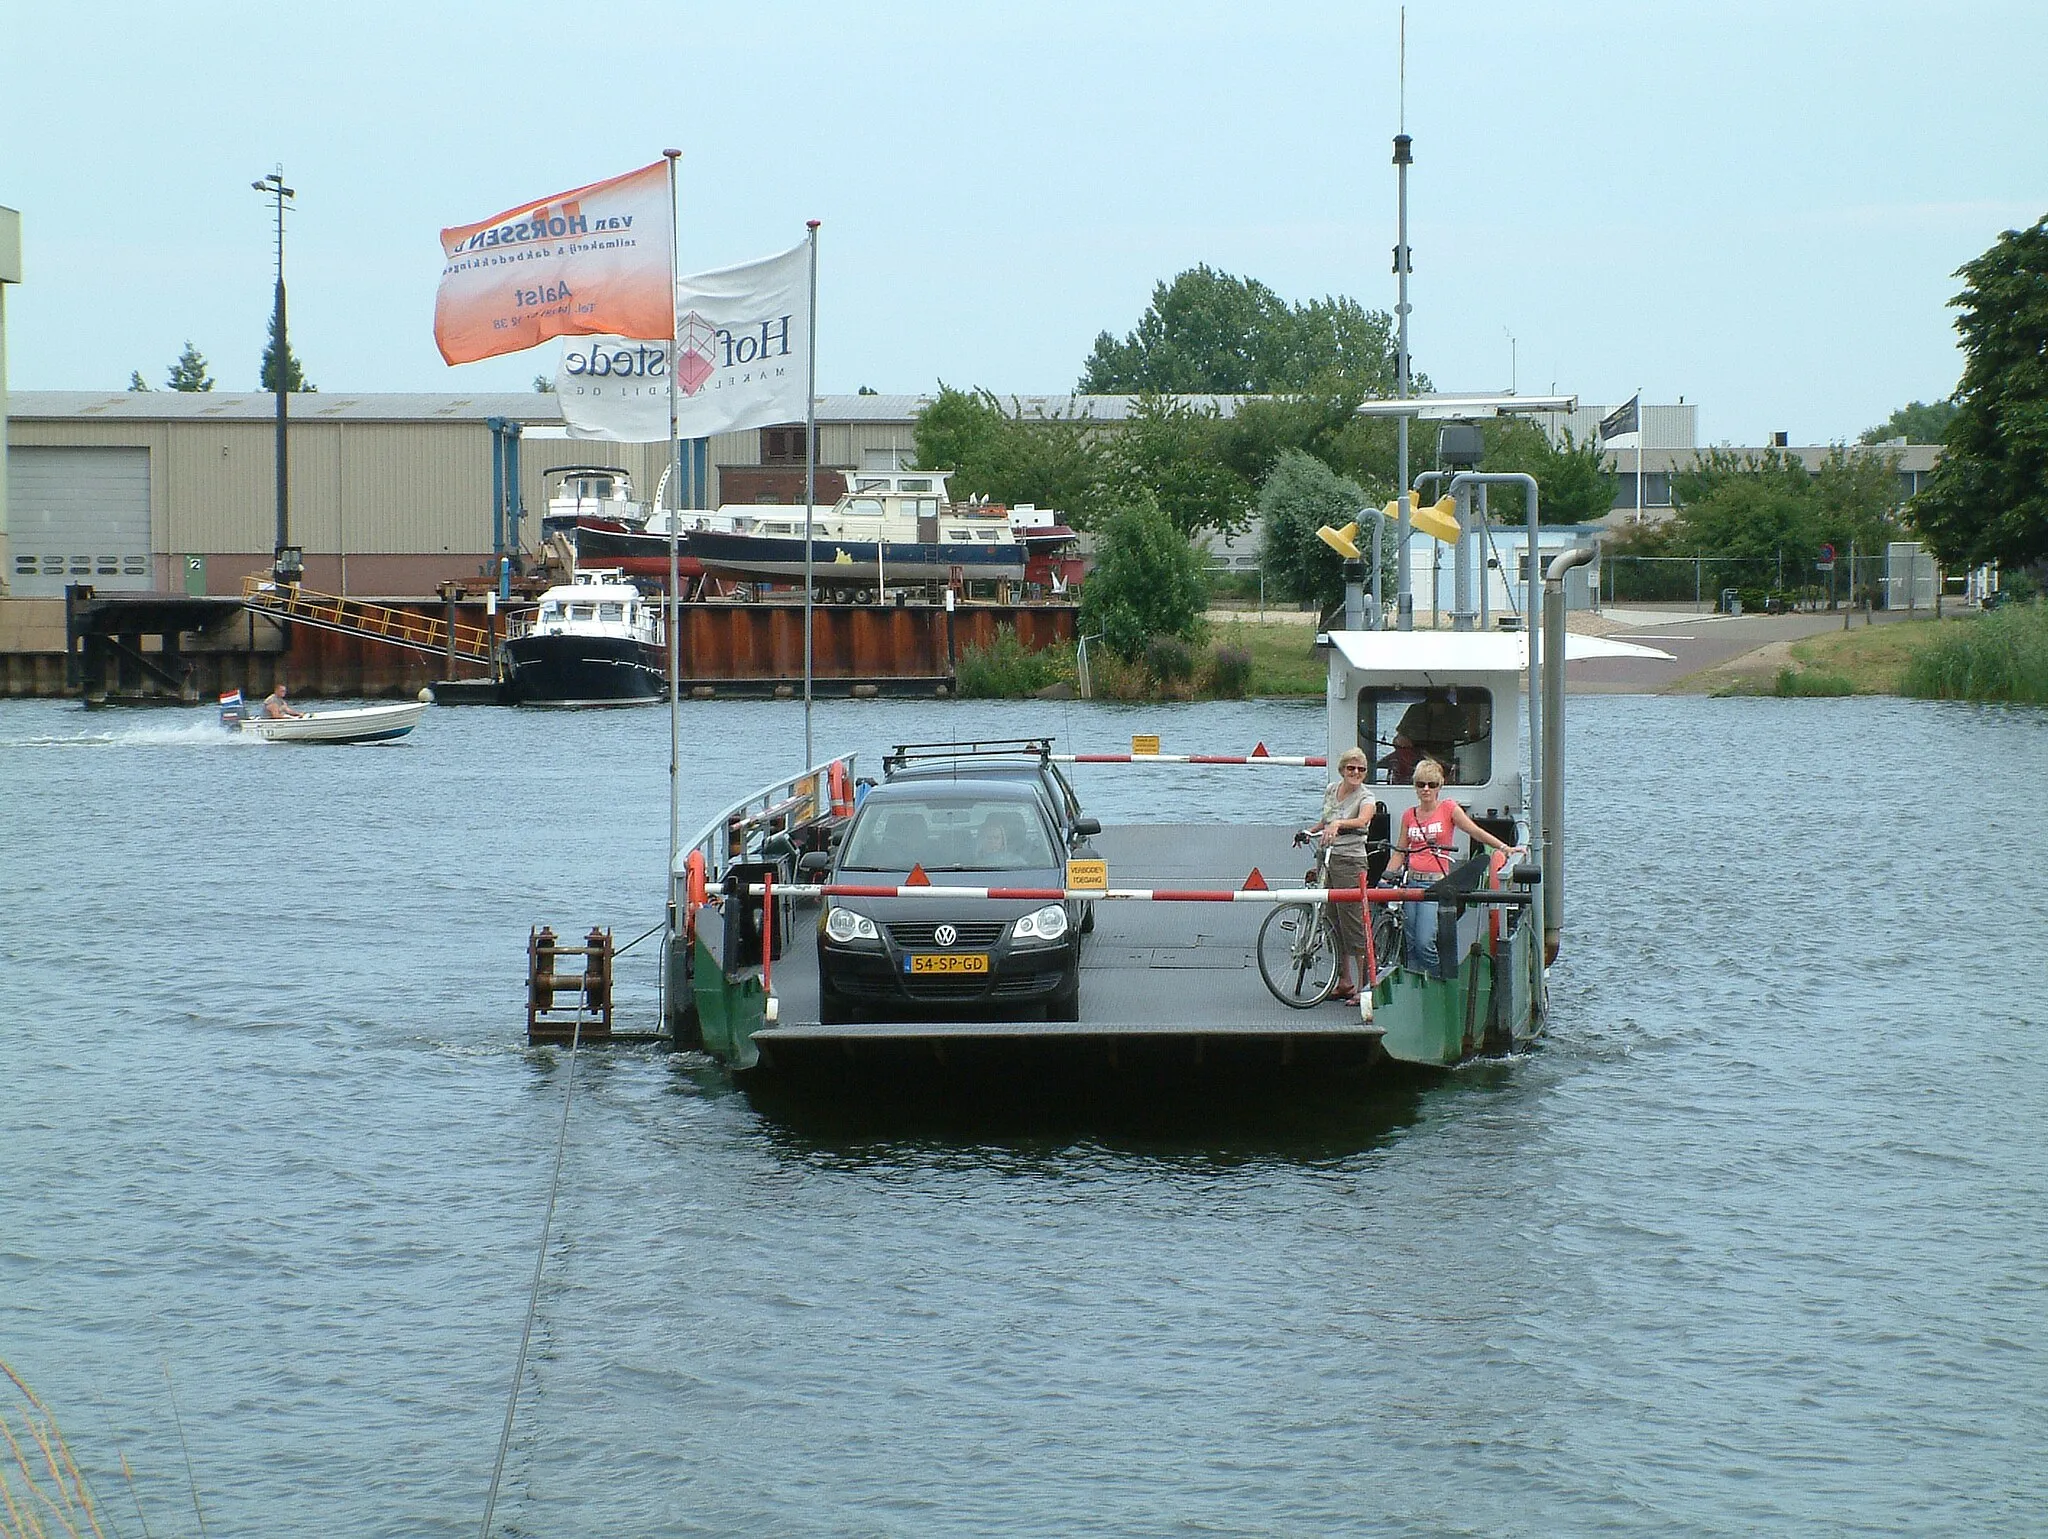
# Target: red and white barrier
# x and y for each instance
(1113, 894)
(1257, 756)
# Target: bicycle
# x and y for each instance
(1297, 945)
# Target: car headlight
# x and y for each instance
(845, 926)
(1047, 924)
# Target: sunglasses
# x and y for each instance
(1351, 769)
(1429, 785)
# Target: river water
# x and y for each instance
(1756, 1241)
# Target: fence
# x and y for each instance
(1703, 580)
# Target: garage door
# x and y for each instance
(77, 515)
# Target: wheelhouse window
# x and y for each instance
(1400, 725)
(616, 613)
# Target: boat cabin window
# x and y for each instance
(918, 485)
(582, 611)
(871, 484)
(611, 611)
(1401, 724)
(551, 611)
(927, 507)
(865, 507)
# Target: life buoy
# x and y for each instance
(694, 888)
(840, 783)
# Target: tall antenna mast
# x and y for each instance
(1404, 598)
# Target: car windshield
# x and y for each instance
(1046, 778)
(948, 836)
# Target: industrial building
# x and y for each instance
(395, 494)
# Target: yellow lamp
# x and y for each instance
(1343, 541)
(1438, 520)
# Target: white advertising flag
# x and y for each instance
(743, 337)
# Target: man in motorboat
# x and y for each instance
(276, 707)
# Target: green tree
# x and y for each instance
(1300, 496)
(1769, 507)
(543, 385)
(1004, 454)
(136, 381)
(1147, 582)
(1923, 422)
(294, 376)
(189, 372)
(1210, 332)
(1988, 498)
(1573, 483)
(1173, 451)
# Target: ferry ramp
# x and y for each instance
(1172, 983)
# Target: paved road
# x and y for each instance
(1695, 642)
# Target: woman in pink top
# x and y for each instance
(1429, 832)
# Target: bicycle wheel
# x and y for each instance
(1386, 937)
(1298, 954)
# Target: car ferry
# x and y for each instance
(780, 943)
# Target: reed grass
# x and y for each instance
(41, 1491)
(1795, 683)
(1997, 657)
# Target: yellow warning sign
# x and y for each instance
(1142, 742)
(1087, 876)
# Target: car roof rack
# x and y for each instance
(904, 754)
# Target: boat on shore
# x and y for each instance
(890, 526)
(351, 724)
(594, 640)
(892, 530)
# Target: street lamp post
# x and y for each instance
(287, 565)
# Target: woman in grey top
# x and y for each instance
(1348, 811)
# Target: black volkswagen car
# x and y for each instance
(893, 957)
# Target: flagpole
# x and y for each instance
(1404, 598)
(675, 726)
(810, 481)
(1639, 454)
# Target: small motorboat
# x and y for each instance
(351, 724)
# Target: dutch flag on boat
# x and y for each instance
(231, 708)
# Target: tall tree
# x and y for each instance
(137, 382)
(1147, 581)
(1299, 496)
(1001, 452)
(1210, 332)
(1923, 422)
(1173, 451)
(189, 372)
(1988, 498)
(1573, 482)
(294, 376)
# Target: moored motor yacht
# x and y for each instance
(594, 640)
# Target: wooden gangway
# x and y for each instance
(371, 621)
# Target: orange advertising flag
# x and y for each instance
(593, 260)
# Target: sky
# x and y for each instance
(1756, 207)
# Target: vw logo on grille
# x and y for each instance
(945, 935)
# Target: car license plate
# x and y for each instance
(927, 963)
